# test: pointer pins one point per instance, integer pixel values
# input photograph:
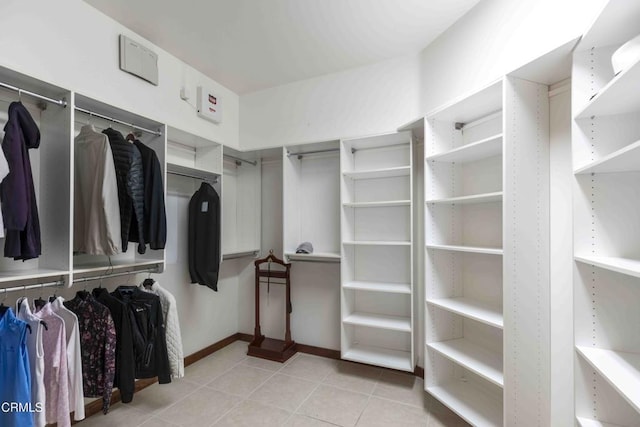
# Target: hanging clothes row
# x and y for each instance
(119, 194)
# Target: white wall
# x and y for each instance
(72, 45)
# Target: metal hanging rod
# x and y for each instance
(60, 102)
(354, 150)
(304, 153)
(111, 119)
(201, 178)
(238, 159)
(35, 286)
(109, 276)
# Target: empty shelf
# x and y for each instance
(614, 97)
(472, 404)
(377, 243)
(472, 309)
(620, 369)
(586, 422)
(394, 288)
(626, 266)
(478, 150)
(379, 173)
(476, 198)
(626, 159)
(380, 321)
(479, 360)
(314, 257)
(386, 203)
(240, 253)
(473, 249)
(393, 359)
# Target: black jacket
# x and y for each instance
(155, 219)
(204, 236)
(19, 208)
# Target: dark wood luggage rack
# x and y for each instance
(261, 346)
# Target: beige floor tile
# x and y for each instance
(297, 420)
(241, 380)
(206, 370)
(354, 377)
(236, 351)
(250, 414)
(385, 413)
(404, 388)
(309, 367)
(436, 420)
(283, 391)
(157, 422)
(334, 405)
(200, 409)
(256, 362)
(160, 396)
(119, 415)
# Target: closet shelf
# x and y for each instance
(93, 267)
(620, 369)
(472, 309)
(383, 204)
(478, 150)
(630, 267)
(479, 360)
(33, 273)
(614, 98)
(314, 257)
(376, 243)
(626, 159)
(380, 321)
(379, 173)
(472, 249)
(586, 422)
(193, 171)
(392, 288)
(377, 356)
(240, 253)
(475, 198)
(472, 404)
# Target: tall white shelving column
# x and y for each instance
(606, 161)
(377, 270)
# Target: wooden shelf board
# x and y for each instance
(32, 273)
(393, 288)
(479, 360)
(383, 204)
(472, 309)
(472, 249)
(614, 97)
(379, 173)
(387, 358)
(314, 257)
(630, 267)
(478, 150)
(380, 321)
(620, 369)
(475, 198)
(586, 422)
(376, 243)
(626, 159)
(473, 405)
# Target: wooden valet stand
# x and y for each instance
(261, 346)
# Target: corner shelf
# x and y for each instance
(487, 147)
(471, 309)
(377, 356)
(392, 288)
(380, 321)
(481, 361)
(470, 403)
(626, 159)
(471, 249)
(620, 369)
(472, 199)
(630, 267)
(376, 243)
(379, 173)
(586, 422)
(383, 204)
(314, 257)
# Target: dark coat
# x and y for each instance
(19, 208)
(204, 236)
(155, 218)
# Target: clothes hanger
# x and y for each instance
(3, 308)
(131, 137)
(148, 282)
(39, 303)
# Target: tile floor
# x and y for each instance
(230, 389)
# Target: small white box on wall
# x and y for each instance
(209, 105)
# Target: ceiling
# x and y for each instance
(248, 45)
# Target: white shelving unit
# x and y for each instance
(606, 196)
(486, 249)
(241, 203)
(311, 200)
(376, 190)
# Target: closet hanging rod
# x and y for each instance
(111, 119)
(476, 122)
(238, 159)
(109, 276)
(304, 153)
(201, 178)
(34, 286)
(60, 102)
(354, 150)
